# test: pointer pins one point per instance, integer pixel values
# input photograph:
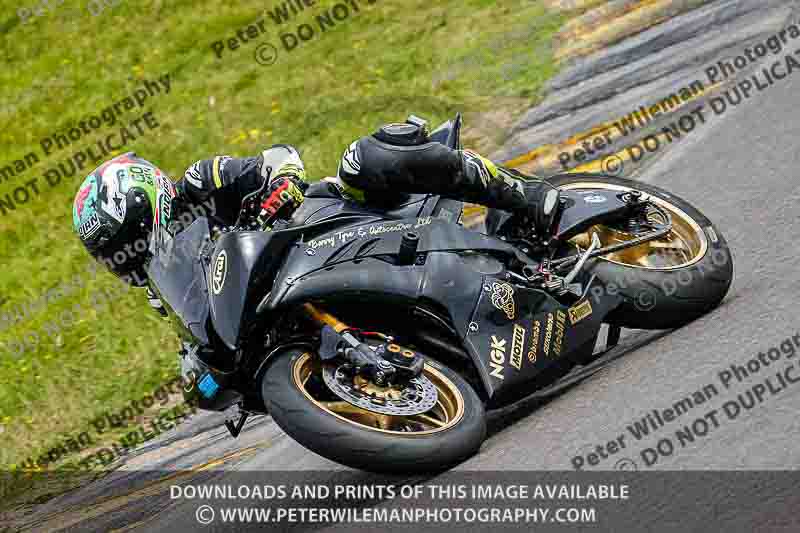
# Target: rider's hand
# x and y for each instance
(284, 196)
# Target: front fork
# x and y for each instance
(386, 364)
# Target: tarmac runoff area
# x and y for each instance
(652, 90)
(775, 371)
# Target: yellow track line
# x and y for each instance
(69, 518)
(548, 153)
(603, 26)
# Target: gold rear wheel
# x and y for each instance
(683, 247)
(665, 283)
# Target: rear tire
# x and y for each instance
(365, 448)
(663, 299)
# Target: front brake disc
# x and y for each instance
(419, 396)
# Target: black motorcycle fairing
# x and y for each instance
(241, 271)
(581, 209)
(511, 333)
(586, 207)
(516, 333)
(354, 244)
(178, 277)
(454, 282)
(318, 208)
(448, 279)
(369, 279)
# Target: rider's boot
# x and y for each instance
(533, 202)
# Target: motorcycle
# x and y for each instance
(380, 337)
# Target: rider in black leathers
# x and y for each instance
(376, 169)
(396, 160)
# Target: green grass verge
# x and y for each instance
(391, 58)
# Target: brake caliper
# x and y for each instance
(384, 364)
(407, 363)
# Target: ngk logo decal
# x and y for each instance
(498, 357)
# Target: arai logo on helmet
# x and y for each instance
(165, 193)
(220, 272)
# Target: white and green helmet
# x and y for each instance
(115, 210)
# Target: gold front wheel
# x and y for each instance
(297, 397)
(448, 411)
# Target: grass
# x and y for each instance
(391, 58)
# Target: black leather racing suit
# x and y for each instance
(377, 169)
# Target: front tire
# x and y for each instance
(351, 440)
(659, 295)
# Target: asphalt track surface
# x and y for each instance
(742, 171)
